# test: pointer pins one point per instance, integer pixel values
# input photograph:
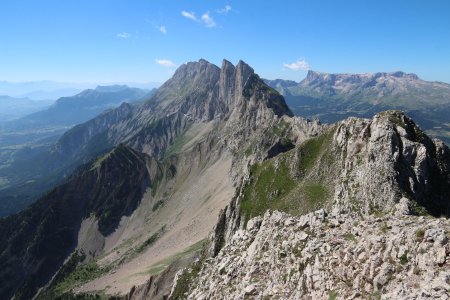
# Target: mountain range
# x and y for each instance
(27, 168)
(53, 90)
(334, 97)
(73, 110)
(213, 189)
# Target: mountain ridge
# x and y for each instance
(59, 214)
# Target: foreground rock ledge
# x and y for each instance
(327, 256)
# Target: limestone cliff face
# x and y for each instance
(387, 158)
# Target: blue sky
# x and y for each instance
(145, 40)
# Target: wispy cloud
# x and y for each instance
(189, 15)
(208, 20)
(299, 64)
(205, 19)
(224, 10)
(162, 29)
(123, 35)
(165, 63)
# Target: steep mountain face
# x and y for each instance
(198, 92)
(38, 240)
(334, 97)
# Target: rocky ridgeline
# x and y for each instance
(330, 256)
(386, 158)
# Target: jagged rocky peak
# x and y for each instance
(243, 71)
(196, 70)
(234, 76)
(204, 91)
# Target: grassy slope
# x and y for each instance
(290, 182)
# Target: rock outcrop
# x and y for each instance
(323, 255)
(387, 158)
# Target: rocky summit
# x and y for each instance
(213, 189)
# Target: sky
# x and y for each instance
(146, 40)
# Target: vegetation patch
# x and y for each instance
(349, 236)
(420, 234)
(332, 295)
(288, 183)
(418, 209)
(177, 145)
(404, 258)
(157, 205)
(395, 118)
(314, 193)
(269, 184)
(70, 275)
(98, 162)
(161, 265)
(80, 275)
(384, 227)
(152, 239)
(186, 279)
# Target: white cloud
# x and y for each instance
(165, 63)
(189, 15)
(123, 35)
(162, 29)
(208, 20)
(299, 64)
(205, 19)
(224, 10)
